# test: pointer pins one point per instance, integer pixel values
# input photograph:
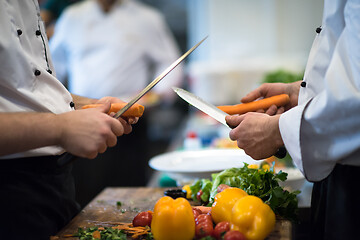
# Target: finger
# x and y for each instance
(117, 127)
(111, 141)
(234, 120)
(260, 111)
(102, 148)
(280, 110)
(272, 110)
(105, 107)
(234, 135)
(133, 120)
(127, 128)
(251, 96)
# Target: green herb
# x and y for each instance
(283, 76)
(118, 203)
(260, 183)
(107, 234)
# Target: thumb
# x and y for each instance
(234, 120)
(105, 107)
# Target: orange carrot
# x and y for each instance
(278, 100)
(135, 110)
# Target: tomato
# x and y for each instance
(203, 229)
(222, 187)
(203, 218)
(142, 219)
(234, 235)
(198, 195)
(196, 212)
(220, 229)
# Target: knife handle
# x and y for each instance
(281, 152)
(66, 159)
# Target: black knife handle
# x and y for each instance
(66, 159)
(281, 152)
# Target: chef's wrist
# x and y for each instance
(277, 139)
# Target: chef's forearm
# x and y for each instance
(24, 131)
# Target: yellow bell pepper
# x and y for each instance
(188, 191)
(173, 219)
(252, 217)
(224, 202)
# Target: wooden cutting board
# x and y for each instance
(104, 211)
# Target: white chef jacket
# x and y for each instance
(26, 82)
(109, 54)
(324, 129)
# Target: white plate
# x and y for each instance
(186, 166)
(295, 179)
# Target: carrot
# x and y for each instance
(135, 110)
(278, 100)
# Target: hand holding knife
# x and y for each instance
(219, 113)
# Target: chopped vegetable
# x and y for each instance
(94, 233)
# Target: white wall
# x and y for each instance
(247, 38)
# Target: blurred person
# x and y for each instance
(115, 48)
(321, 125)
(38, 122)
(50, 11)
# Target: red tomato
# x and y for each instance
(203, 218)
(220, 229)
(203, 229)
(198, 195)
(142, 219)
(234, 235)
(196, 212)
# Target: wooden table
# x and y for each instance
(104, 209)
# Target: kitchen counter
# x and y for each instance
(104, 211)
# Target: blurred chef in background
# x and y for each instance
(320, 127)
(37, 124)
(115, 48)
(50, 11)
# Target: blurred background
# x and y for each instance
(248, 42)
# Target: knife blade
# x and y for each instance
(66, 158)
(156, 80)
(202, 105)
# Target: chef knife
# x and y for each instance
(202, 105)
(68, 157)
(213, 112)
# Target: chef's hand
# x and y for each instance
(271, 89)
(129, 120)
(257, 134)
(87, 132)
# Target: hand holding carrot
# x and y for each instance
(271, 89)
